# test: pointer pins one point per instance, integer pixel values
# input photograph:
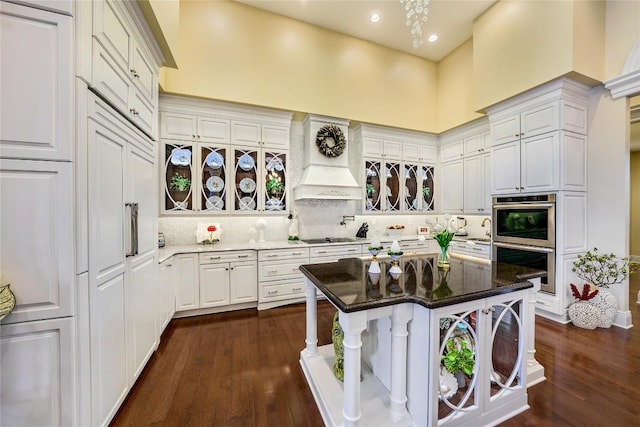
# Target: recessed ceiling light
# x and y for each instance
(375, 17)
(433, 37)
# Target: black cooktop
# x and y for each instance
(329, 240)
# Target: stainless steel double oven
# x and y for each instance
(524, 233)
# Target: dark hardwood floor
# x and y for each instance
(241, 369)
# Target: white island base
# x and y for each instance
(329, 392)
(400, 388)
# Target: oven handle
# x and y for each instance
(523, 247)
(523, 205)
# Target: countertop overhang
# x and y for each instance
(350, 287)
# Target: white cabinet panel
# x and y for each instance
(539, 120)
(165, 297)
(143, 178)
(211, 129)
(109, 370)
(506, 174)
(142, 313)
(505, 130)
(36, 81)
(372, 147)
(451, 187)
(109, 79)
(36, 241)
(177, 126)
(144, 74)
(573, 161)
(106, 200)
(245, 133)
(214, 285)
(243, 282)
(38, 373)
(275, 136)
(111, 30)
(187, 285)
(451, 151)
(540, 163)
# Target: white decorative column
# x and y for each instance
(398, 396)
(535, 371)
(312, 319)
(352, 324)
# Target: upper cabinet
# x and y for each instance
(539, 141)
(451, 151)
(218, 158)
(36, 84)
(398, 169)
(124, 71)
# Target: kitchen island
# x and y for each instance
(397, 329)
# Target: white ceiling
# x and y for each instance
(451, 20)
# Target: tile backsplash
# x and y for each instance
(317, 218)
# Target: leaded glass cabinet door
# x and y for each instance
(275, 181)
(426, 199)
(178, 176)
(213, 178)
(411, 188)
(245, 188)
(392, 187)
(373, 185)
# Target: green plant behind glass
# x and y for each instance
(179, 182)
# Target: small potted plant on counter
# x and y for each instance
(395, 230)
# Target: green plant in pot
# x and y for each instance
(459, 360)
(426, 191)
(179, 182)
(274, 186)
(370, 189)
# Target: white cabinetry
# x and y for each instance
(539, 143)
(466, 162)
(398, 169)
(378, 147)
(123, 71)
(187, 285)
(46, 97)
(228, 278)
(451, 187)
(190, 127)
(37, 382)
(451, 151)
(227, 165)
(166, 297)
(122, 265)
(477, 184)
(266, 135)
(38, 362)
(280, 281)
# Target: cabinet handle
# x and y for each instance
(322, 252)
(272, 292)
(272, 256)
(294, 269)
(232, 268)
(193, 136)
(214, 257)
(272, 271)
(135, 74)
(243, 256)
(226, 269)
(133, 237)
(297, 253)
(169, 265)
(296, 289)
(198, 136)
(352, 250)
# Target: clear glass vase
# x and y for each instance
(443, 258)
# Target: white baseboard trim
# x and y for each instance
(623, 319)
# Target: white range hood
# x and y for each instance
(325, 177)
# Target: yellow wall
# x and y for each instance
(233, 52)
(519, 45)
(455, 88)
(163, 19)
(622, 31)
(589, 38)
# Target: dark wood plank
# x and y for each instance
(241, 369)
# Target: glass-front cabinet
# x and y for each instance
(214, 178)
(382, 186)
(396, 186)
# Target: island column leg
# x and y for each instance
(400, 316)
(535, 371)
(312, 319)
(352, 325)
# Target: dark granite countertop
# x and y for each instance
(350, 287)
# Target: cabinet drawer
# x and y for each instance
(214, 257)
(283, 290)
(271, 271)
(341, 251)
(289, 253)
